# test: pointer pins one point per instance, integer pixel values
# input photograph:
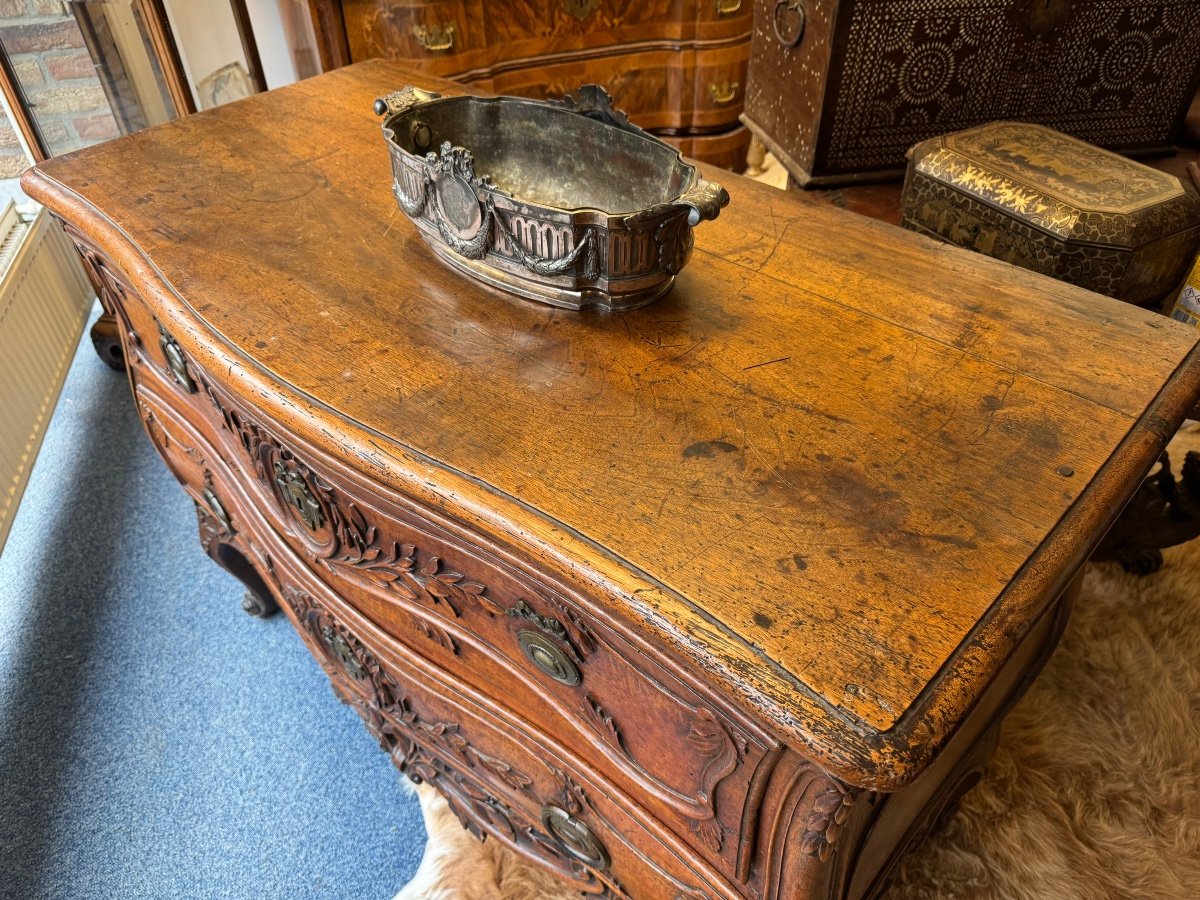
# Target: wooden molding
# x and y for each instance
(18, 109)
(158, 29)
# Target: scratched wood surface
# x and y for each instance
(839, 468)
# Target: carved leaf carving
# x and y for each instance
(710, 833)
(707, 735)
(505, 772)
(604, 722)
(438, 635)
(572, 796)
(583, 635)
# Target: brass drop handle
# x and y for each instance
(789, 20)
(728, 7)
(724, 93)
(575, 838)
(176, 362)
(549, 658)
(434, 38)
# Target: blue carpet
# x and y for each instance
(156, 741)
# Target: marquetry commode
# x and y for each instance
(725, 597)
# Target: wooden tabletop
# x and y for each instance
(840, 467)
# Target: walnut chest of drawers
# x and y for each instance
(677, 67)
(725, 597)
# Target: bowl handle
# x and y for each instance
(405, 98)
(706, 199)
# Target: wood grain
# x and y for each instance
(839, 471)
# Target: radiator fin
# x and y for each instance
(45, 298)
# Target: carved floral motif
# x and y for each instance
(111, 290)
(829, 813)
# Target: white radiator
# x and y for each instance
(45, 298)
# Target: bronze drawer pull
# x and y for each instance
(575, 837)
(434, 38)
(724, 93)
(728, 7)
(296, 493)
(343, 652)
(789, 27)
(176, 362)
(546, 655)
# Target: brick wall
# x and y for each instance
(58, 77)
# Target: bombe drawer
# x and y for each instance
(501, 778)
(469, 607)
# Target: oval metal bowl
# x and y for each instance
(575, 207)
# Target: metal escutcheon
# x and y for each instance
(575, 837)
(547, 656)
(434, 38)
(296, 493)
(175, 361)
(340, 648)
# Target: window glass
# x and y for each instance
(84, 70)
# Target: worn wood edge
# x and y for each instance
(924, 727)
(847, 747)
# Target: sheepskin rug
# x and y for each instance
(1093, 792)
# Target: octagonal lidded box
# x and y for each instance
(1046, 201)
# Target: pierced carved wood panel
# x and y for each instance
(880, 77)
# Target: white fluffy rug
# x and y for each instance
(1093, 793)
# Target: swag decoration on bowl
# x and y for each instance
(578, 208)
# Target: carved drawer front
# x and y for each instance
(499, 779)
(189, 456)
(147, 345)
(482, 616)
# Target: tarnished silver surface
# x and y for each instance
(577, 208)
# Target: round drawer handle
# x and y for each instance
(175, 361)
(343, 652)
(575, 837)
(789, 28)
(546, 655)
